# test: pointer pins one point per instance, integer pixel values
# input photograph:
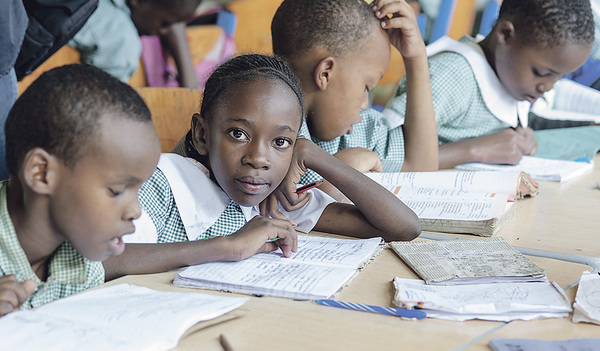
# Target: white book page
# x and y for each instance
(460, 208)
(538, 168)
(445, 261)
(28, 330)
(481, 299)
(407, 192)
(571, 101)
(350, 253)
(108, 315)
(255, 276)
(587, 300)
(483, 182)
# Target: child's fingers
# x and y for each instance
(288, 239)
(269, 207)
(29, 286)
(402, 23)
(293, 201)
(13, 293)
(393, 8)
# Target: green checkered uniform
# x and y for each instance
(460, 111)
(109, 40)
(156, 198)
(69, 272)
(372, 133)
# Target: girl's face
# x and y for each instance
(249, 138)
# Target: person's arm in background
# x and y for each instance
(420, 133)
(504, 147)
(175, 40)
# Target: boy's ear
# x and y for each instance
(324, 72)
(505, 32)
(200, 133)
(40, 171)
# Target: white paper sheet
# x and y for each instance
(538, 168)
(499, 301)
(120, 317)
(587, 301)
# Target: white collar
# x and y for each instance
(495, 96)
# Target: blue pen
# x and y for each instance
(394, 311)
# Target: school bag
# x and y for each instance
(52, 23)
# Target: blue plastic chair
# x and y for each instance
(441, 24)
(488, 17)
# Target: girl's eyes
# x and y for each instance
(238, 134)
(282, 143)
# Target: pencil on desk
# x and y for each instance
(225, 343)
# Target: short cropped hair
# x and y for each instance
(550, 23)
(338, 26)
(246, 68)
(61, 110)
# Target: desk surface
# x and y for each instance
(562, 218)
(273, 323)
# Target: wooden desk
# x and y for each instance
(563, 218)
(272, 323)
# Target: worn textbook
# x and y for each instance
(119, 317)
(460, 202)
(320, 268)
(466, 261)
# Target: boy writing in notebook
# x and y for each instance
(79, 145)
(340, 49)
(482, 91)
(243, 147)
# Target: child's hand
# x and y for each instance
(13, 293)
(527, 141)
(286, 194)
(253, 238)
(361, 159)
(506, 146)
(402, 27)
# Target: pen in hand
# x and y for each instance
(309, 186)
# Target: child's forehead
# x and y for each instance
(259, 97)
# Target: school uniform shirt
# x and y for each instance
(372, 132)
(68, 271)
(109, 40)
(181, 203)
(461, 109)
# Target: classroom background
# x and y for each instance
(226, 27)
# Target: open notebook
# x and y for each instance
(320, 268)
(119, 317)
(459, 202)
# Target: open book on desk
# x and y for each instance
(321, 267)
(466, 261)
(538, 168)
(119, 317)
(459, 202)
